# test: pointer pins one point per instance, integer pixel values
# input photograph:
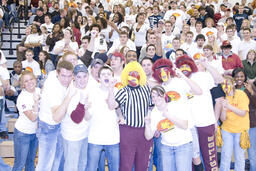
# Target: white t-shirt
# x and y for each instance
(49, 27)
(187, 47)
(207, 30)
(33, 65)
(4, 75)
(201, 105)
(25, 102)
(104, 128)
(69, 129)
(52, 95)
(236, 42)
(34, 38)
(117, 46)
(61, 43)
(3, 59)
(245, 47)
(167, 42)
(179, 14)
(176, 136)
(195, 51)
(140, 36)
(217, 64)
(180, 89)
(115, 34)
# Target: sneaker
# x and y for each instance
(4, 135)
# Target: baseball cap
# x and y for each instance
(226, 44)
(118, 54)
(40, 9)
(102, 56)
(80, 68)
(96, 61)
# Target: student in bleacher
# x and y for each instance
(25, 140)
(14, 90)
(46, 66)
(30, 63)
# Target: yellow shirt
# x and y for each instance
(235, 123)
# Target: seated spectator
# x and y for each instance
(250, 66)
(68, 43)
(46, 66)
(39, 18)
(34, 40)
(30, 64)
(47, 23)
(20, 48)
(15, 89)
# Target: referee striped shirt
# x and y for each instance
(134, 103)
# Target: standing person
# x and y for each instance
(176, 147)
(235, 118)
(163, 72)
(239, 17)
(74, 127)
(203, 116)
(243, 84)
(134, 100)
(56, 96)
(108, 138)
(140, 30)
(25, 140)
(229, 59)
(247, 44)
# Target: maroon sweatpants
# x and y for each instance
(135, 150)
(207, 143)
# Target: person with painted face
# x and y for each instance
(235, 118)
(135, 102)
(203, 116)
(177, 87)
(240, 77)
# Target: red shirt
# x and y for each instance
(233, 61)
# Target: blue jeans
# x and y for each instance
(112, 152)
(231, 141)
(50, 154)
(177, 158)
(2, 116)
(156, 157)
(101, 166)
(25, 147)
(252, 149)
(75, 154)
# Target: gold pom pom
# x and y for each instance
(219, 141)
(244, 140)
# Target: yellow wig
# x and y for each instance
(133, 66)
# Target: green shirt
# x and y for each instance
(250, 70)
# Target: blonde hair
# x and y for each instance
(250, 51)
(23, 74)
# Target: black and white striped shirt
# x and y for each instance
(134, 103)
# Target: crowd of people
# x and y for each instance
(137, 83)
